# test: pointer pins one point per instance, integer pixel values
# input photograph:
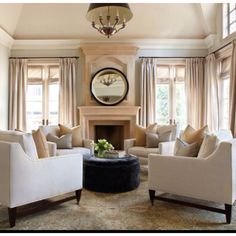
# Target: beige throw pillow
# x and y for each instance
(153, 140)
(64, 142)
(40, 143)
(140, 133)
(152, 128)
(184, 149)
(190, 135)
(165, 128)
(76, 134)
(208, 146)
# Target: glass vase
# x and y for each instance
(100, 153)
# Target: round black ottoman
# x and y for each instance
(111, 175)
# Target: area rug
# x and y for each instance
(124, 211)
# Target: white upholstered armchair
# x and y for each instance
(212, 178)
(25, 179)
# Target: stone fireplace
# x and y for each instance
(114, 123)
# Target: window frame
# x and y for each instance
(172, 80)
(228, 35)
(45, 81)
(221, 79)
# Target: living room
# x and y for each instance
(117, 116)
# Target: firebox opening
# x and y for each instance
(114, 134)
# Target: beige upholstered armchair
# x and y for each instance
(132, 148)
(86, 147)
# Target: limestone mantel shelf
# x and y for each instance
(108, 109)
(89, 116)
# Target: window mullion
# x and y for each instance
(46, 102)
(44, 94)
(171, 97)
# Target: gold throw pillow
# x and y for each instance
(76, 134)
(40, 143)
(190, 135)
(140, 136)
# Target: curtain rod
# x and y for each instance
(40, 57)
(171, 57)
(227, 44)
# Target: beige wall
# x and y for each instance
(4, 54)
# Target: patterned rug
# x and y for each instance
(124, 211)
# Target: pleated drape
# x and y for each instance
(17, 94)
(211, 101)
(67, 93)
(194, 84)
(232, 94)
(148, 91)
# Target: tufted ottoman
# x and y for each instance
(111, 175)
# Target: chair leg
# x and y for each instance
(228, 213)
(12, 216)
(152, 195)
(78, 195)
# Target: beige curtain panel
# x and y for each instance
(67, 93)
(194, 84)
(148, 91)
(211, 106)
(232, 94)
(17, 94)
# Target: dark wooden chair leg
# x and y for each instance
(12, 216)
(228, 213)
(78, 195)
(152, 195)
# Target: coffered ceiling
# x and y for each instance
(67, 21)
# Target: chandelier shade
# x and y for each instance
(109, 18)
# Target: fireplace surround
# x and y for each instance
(123, 117)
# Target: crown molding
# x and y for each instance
(155, 43)
(5, 39)
(45, 44)
(110, 49)
(163, 44)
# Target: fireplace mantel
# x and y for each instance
(89, 116)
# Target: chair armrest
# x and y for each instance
(167, 148)
(52, 147)
(128, 143)
(88, 143)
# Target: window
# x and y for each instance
(170, 95)
(229, 19)
(42, 95)
(224, 92)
